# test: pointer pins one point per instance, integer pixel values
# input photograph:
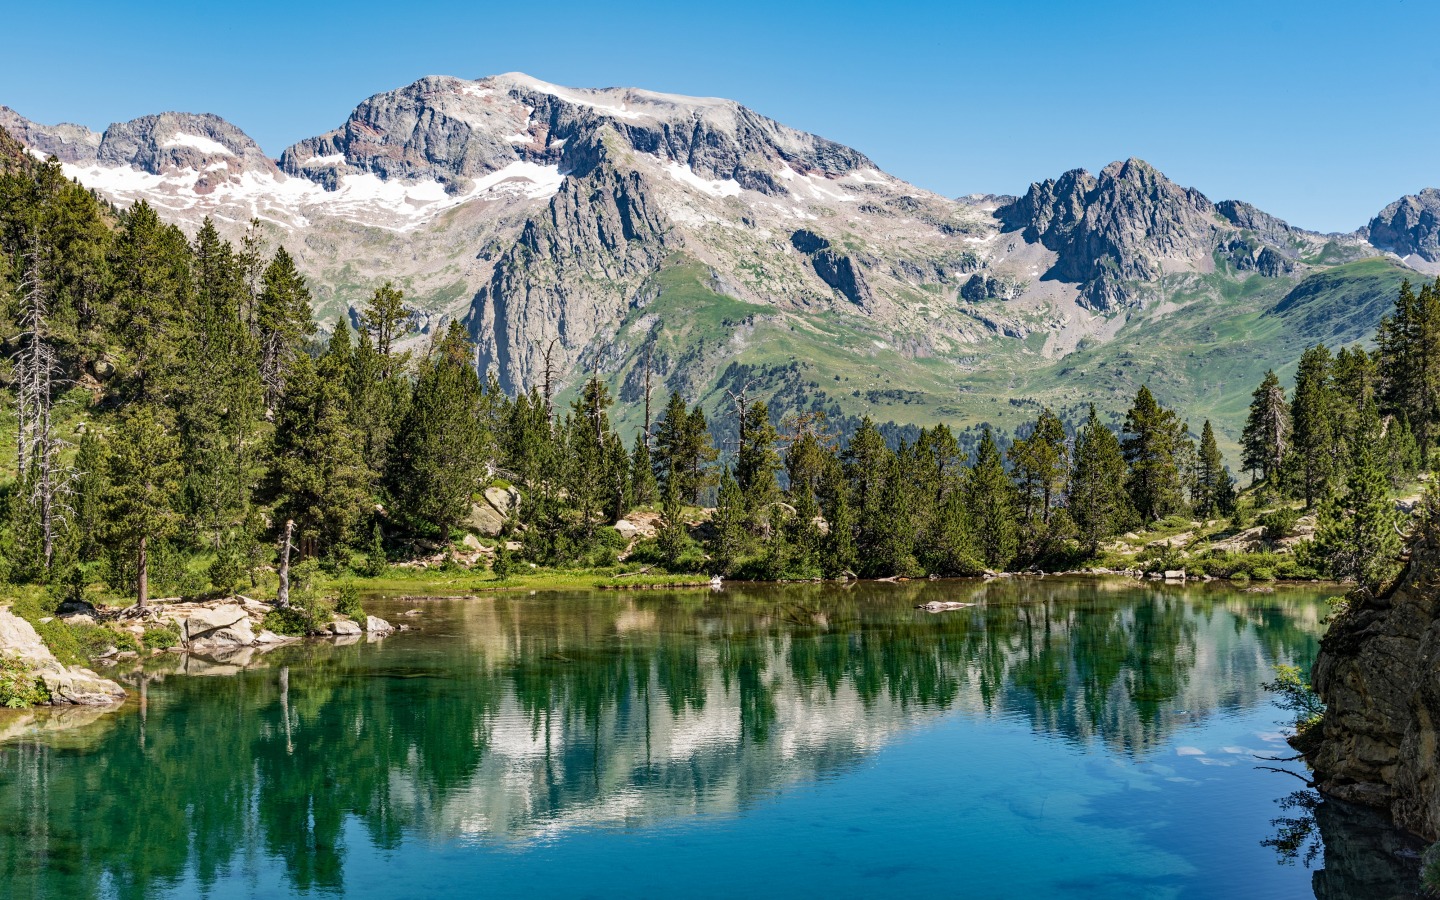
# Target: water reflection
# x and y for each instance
(514, 721)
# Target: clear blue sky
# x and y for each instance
(1319, 112)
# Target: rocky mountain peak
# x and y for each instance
(1410, 226)
(454, 131)
(156, 144)
(67, 142)
(1118, 232)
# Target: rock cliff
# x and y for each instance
(1410, 226)
(1378, 672)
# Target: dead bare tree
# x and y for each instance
(548, 354)
(37, 449)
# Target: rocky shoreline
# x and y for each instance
(1378, 673)
(226, 634)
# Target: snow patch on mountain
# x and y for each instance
(363, 198)
(685, 175)
(198, 142)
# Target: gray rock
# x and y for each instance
(503, 499)
(199, 621)
(377, 625)
(484, 519)
(1410, 226)
(66, 685)
(342, 627)
(1378, 671)
(1111, 233)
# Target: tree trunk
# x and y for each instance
(142, 579)
(282, 597)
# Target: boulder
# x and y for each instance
(484, 519)
(341, 627)
(1174, 574)
(241, 634)
(377, 625)
(504, 500)
(202, 620)
(472, 543)
(75, 684)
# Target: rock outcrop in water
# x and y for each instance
(1378, 672)
(66, 684)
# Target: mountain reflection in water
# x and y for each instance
(516, 722)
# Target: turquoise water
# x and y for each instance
(1060, 738)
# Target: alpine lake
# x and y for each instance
(1092, 738)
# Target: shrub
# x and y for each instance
(502, 564)
(291, 620)
(376, 563)
(1430, 868)
(19, 686)
(161, 637)
(1279, 524)
(347, 603)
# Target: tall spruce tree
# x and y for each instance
(1214, 493)
(283, 322)
(437, 461)
(1408, 357)
(991, 499)
(1314, 411)
(317, 473)
(1266, 438)
(1096, 497)
(757, 462)
(1357, 532)
(1152, 433)
(143, 476)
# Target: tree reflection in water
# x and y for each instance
(513, 720)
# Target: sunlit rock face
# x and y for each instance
(1379, 674)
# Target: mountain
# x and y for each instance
(1410, 228)
(734, 252)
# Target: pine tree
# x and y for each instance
(436, 464)
(1357, 533)
(149, 264)
(1096, 498)
(317, 473)
(991, 505)
(1400, 454)
(1039, 463)
(1313, 414)
(384, 318)
(643, 487)
(1266, 438)
(283, 323)
(757, 460)
(1408, 361)
(1215, 491)
(1151, 435)
(728, 528)
(143, 475)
